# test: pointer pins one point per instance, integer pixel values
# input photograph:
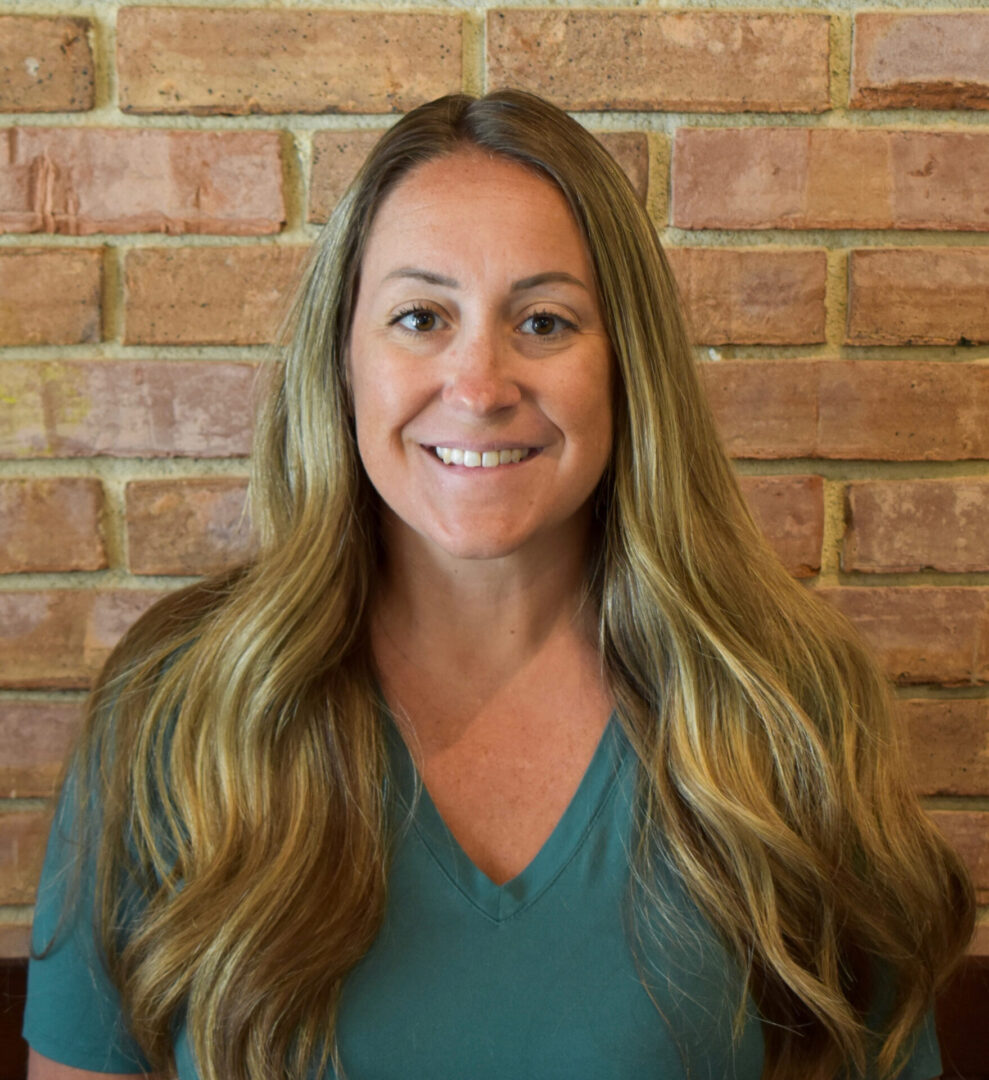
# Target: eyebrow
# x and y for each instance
(522, 285)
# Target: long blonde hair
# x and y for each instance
(235, 743)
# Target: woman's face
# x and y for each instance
(480, 367)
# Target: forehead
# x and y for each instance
(470, 206)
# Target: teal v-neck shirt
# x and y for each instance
(469, 980)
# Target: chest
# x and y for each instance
(501, 798)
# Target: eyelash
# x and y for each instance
(422, 309)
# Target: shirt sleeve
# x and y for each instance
(73, 1013)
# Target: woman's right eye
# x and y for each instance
(417, 320)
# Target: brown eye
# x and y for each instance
(419, 320)
(543, 324)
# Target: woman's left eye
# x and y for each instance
(546, 324)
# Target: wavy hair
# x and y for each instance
(235, 736)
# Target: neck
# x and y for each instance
(496, 620)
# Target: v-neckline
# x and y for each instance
(501, 902)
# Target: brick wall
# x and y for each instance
(820, 175)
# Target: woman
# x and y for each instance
(515, 752)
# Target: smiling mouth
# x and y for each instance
(481, 459)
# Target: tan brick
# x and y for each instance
(801, 178)
(209, 295)
(968, 833)
(23, 835)
(880, 410)
(756, 297)
(94, 180)
(35, 737)
(50, 297)
(919, 296)
(336, 157)
(920, 633)
(15, 941)
(200, 60)
(919, 60)
(908, 525)
(187, 526)
(948, 745)
(46, 64)
(701, 61)
(790, 511)
(62, 637)
(138, 408)
(51, 524)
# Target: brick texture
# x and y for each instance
(920, 633)
(93, 180)
(15, 941)
(968, 831)
(918, 60)
(919, 296)
(50, 297)
(909, 525)
(46, 64)
(187, 526)
(800, 178)
(879, 410)
(59, 639)
(336, 157)
(126, 409)
(35, 737)
(948, 745)
(22, 848)
(51, 524)
(209, 295)
(204, 61)
(705, 61)
(790, 511)
(755, 297)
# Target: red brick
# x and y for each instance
(948, 744)
(631, 150)
(51, 524)
(138, 408)
(790, 511)
(46, 64)
(765, 409)
(701, 61)
(15, 941)
(919, 296)
(925, 61)
(50, 297)
(95, 180)
(35, 737)
(754, 297)
(869, 409)
(209, 295)
(205, 61)
(908, 525)
(23, 835)
(968, 833)
(336, 157)
(61, 638)
(803, 178)
(903, 410)
(187, 526)
(922, 634)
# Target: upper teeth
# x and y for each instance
(487, 459)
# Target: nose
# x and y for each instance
(480, 379)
